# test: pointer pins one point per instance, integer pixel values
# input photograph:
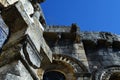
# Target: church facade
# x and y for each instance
(32, 50)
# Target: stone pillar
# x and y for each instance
(80, 54)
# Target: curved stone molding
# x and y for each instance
(31, 54)
(76, 64)
(34, 50)
(106, 73)
(72, 68)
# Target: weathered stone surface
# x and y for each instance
(46, 51)
(25, 24)
(6, 3)
(27, 5)
(99, 36)
(22, 44)
(31, 54)
(99, 49)
(36, 34)
(33, 50)
(14, 71)
(80, 53)
(107, 72)
(57, 29)
(9, 55)
(29, 65)
(60, 29)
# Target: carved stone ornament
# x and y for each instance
(108, 73)
(31, 54)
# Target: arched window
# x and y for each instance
(53, 75)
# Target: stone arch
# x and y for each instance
(70, 60)
(66, 65)
(107, 73)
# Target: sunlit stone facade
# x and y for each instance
(32, 50)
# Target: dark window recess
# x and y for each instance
(53, 75)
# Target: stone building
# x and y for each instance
(32, 50)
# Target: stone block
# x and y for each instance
(6, 3)
(31, 54)
(27, 5)
(34, 31)
(46, 50)
(14, 71)
(79, 46)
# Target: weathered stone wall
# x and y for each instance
(23, 48)
(95, 50)
(67, 47)
(101, 48)
(102, 51)
(30, 49)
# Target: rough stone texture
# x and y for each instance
(96, 50)
(59, 29)
(7, 3)
(30, 48)
(103, 53)
(66, 48)
(14, 71)
(80, 53)
(31, 54)
(25, 46)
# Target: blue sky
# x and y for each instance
(90, 15)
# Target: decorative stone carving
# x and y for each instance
(78, 67)
(25, 39)
(33, 49)
(31, 54)
(106, 73)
